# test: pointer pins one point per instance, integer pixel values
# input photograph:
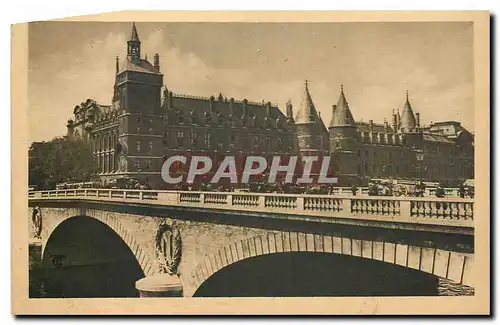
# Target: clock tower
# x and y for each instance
(138, 95)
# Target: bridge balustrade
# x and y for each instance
(438, 209)
(218, 198)
(280, 201)
(245, 200)
(189, 197)
(323, 203)
(441, 211)
(370, 206)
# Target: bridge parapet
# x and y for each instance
(450, 212)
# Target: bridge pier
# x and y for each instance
(34, 263)
(159, 285)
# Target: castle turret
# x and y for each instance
(342, 129)
(342, 116)
(408, 121)
(344, 140)
(311, 132)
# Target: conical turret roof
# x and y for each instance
(342, 115)
(408, 121)
(307, 113)
(134, 36)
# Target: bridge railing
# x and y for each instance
(442, 211)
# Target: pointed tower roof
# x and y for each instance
(342, 115)
(307, 113)
(134, 36)
(408, 121)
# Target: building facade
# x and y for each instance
(146, 123)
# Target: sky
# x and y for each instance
(376, 62)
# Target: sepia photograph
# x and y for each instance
(174, 161)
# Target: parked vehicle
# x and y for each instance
(468, 189)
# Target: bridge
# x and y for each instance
(121, 243)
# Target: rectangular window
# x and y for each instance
(208, 140)
(180, 139)
(256, 143)
(194, 139)
(166, 138)
(232, 142)
(138, 125)
(138, 145)
(268, 143)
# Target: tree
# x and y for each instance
(60, 160)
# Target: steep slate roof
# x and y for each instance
(196, 110)
(408, 121)
(450, 129)
(429, 137)
(322, 124)
(143, 66)
(307, 113)
(377, 127)
(342, 115)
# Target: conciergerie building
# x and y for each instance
(146, 123)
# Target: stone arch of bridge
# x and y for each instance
(450, 265)
(112, 223)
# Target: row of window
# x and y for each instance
(268, 123)
(105, 142)
(109, 163)
(149, 148)
(146, 166)
(182, 139)
(106, 163)
(144, 124)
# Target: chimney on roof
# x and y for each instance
(70, 126)
(245, 103)
(417, 118)
(231, 106)
(394, 122)
(211, 103)
(386, 126)
(156, 62)
(370, 122)
(289, 110)
(170, 100)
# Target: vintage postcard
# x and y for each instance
(251, 163)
